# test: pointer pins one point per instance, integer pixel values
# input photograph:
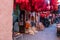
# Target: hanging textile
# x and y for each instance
(54, 4)
(14, 6)
(38, 4)
(32, 5)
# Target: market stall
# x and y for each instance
(32, 12)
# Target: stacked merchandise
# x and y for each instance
(33, 24)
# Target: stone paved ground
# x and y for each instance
(47, 34)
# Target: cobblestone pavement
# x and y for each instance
(47, 34)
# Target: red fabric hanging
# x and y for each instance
(18, 1)
(54, 4)
(28, 7)
(21, 1)
(23, 4)
(14, 6)
(37, 5)
(44, 14)
(55, 7)
(47, 14)
(44, 6)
